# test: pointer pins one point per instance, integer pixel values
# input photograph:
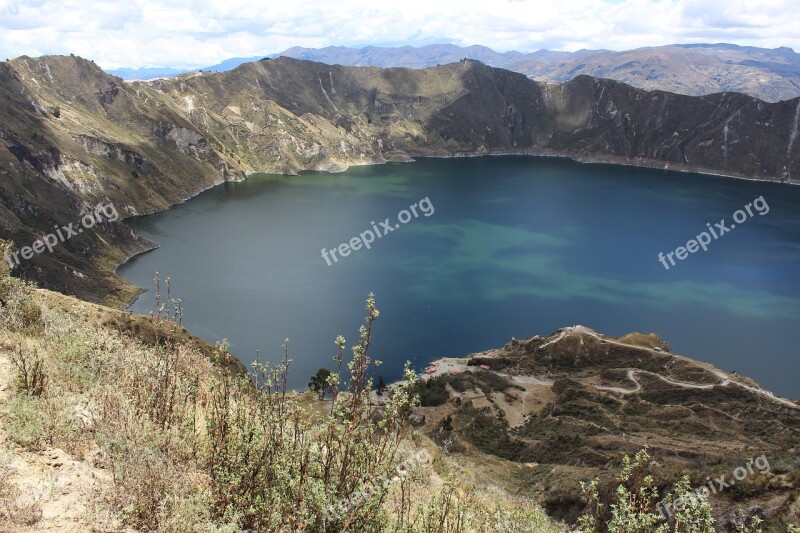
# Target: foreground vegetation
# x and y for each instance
(189, 447)
(180, 441)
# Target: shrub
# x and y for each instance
(432, 392)
(18, 310)
(146, 479)
(634, 506)
(274, 469)
(31, 377)
(456, 507)
(25, 424)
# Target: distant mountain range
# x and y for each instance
(692, 69)
(407, 56)
(695, 70)
(131, 74)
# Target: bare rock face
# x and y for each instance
(71, 136)
(185, 139)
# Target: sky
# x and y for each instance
(192, 34)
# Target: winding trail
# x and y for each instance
(447, 364)
(725, 379)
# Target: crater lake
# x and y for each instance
(512, 246)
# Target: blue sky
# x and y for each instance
(190, 33)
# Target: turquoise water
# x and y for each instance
(514, 246)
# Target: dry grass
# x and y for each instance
(138, 402)
(16, 510)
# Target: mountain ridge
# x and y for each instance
(74, 137)
(692, 69)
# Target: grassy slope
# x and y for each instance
(529, 431)
(85, 454)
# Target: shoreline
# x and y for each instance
(128, 259)
(594, 159)
(410, 158)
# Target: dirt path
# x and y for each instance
(631, 376)
(447, 364)
(725, 379)
(46, 490)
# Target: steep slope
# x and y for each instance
(468, 107)
(75, 137)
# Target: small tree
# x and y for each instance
(319, 382)
(381, 386)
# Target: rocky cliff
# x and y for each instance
(74, 136)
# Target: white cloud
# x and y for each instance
(190, 33)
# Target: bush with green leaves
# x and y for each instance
(635, 505)
(18, 308)
(274, 468)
